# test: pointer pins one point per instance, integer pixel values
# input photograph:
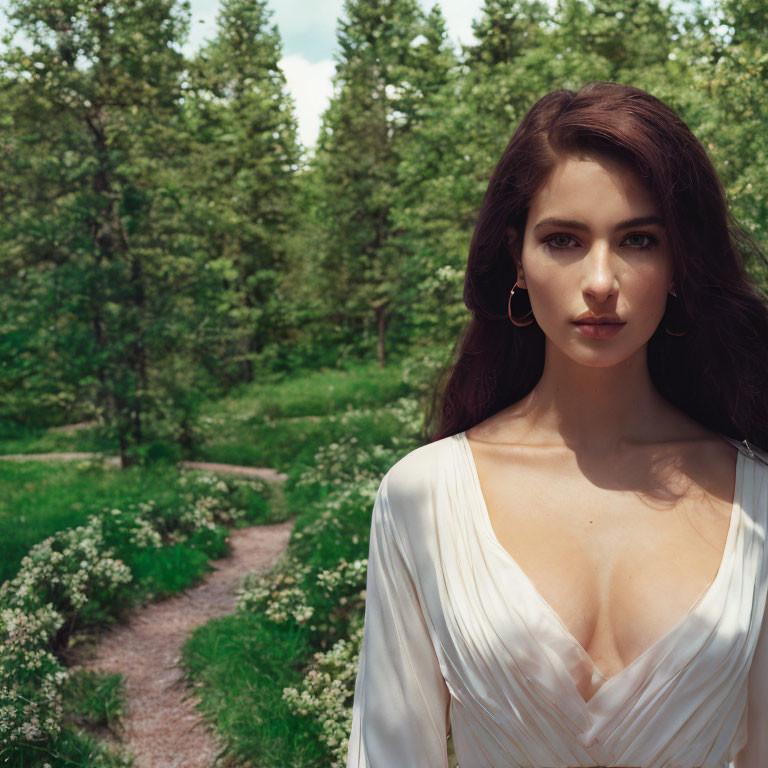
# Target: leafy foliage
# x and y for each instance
(166, 237)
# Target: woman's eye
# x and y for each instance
(558, 240)
(649, 240)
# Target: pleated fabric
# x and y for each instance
(456, 636)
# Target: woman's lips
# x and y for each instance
(600, 330)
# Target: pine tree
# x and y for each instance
(91, 98)
(731, 109)
(392, 57)
(446, 165)
(241, 177)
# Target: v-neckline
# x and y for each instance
(709, 590)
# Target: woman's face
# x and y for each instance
(594, 242)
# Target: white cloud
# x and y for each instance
(202, 24)
(307, 27)
(310, 84)
(459, 15)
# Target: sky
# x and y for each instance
(308, 32)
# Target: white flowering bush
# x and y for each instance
(346, 508)
(254, 592)
(346, 463)
(221, 487)
(31, 678)
(59, 580)
(208, 503)
(279, 594)
(66, 570)
(409, 413)
(342, 577)
(283, 596)
(306, 594)
(203, 513)
(406, 412)
(323, 598)
(326, 693)
(349, 473)
(133, 525)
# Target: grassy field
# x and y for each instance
(271, 425)
(282, 425)
(40, 498)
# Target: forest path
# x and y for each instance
(263, 473)
(162, 728)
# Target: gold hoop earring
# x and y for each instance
(518, 321)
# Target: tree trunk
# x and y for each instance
(109, 244)
(382, 319)
(138, 351)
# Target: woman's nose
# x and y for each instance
(600, 270)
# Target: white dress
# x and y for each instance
(456, 636)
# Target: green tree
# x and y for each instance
(446, 164)
(731, 71)
(393, 57)
(92, 99)
(240, 179)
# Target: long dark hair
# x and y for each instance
(717, 372)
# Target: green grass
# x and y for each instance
(52, 441)
(39, 498)
(285, 445)
(316, 393)
(172, 569)
(241, 667)
(73, 748)
(94, 698)
(282, 425)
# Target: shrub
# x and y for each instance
(67, 571)
(31, 678)
(327, 691)
(81, 576)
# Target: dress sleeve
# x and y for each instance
(400, 709)
(754, 754)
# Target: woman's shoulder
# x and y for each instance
(413, 477)
(410, 497)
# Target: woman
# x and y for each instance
(574, 571)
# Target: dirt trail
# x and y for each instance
(264, 473)
(162, 726)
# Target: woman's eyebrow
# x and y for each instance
(640, 221)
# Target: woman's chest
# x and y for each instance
(617, 572)
(619, 563)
